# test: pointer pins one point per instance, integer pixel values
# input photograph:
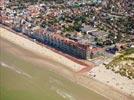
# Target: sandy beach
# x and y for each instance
(112, 79)
(98, 84)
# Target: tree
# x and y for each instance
(77, 25)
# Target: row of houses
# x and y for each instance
(63, 44)
(82, 51)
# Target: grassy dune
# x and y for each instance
(123, 64)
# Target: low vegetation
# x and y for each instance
(123, 64)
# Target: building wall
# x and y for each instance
(61, 45)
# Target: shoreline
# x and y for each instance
(81, 79)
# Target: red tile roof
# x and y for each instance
(96, 49)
